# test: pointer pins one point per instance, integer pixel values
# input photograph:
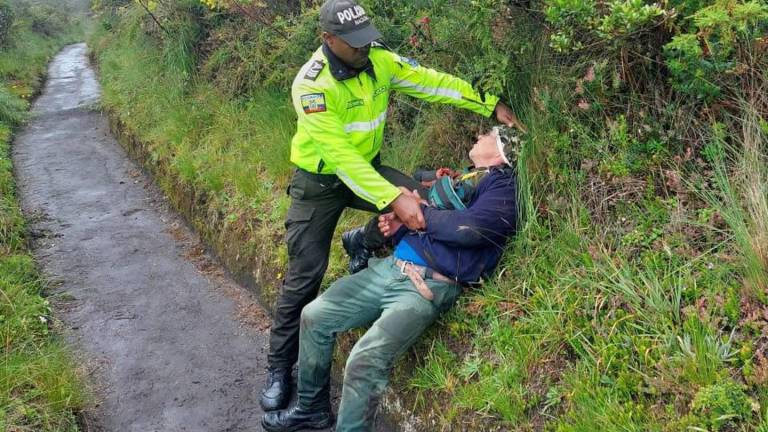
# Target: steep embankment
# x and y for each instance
(634, 296)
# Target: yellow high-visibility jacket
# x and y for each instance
(341, 122)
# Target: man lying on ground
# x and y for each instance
(400, 296)
(444, 189)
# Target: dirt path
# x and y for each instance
(159, 326)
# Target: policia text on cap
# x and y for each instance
(341, 97)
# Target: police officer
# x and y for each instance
(341, 96)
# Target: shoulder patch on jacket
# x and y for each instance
(313, 103)
(314, 70)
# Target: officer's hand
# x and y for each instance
(408, 209)
(389, 223)
(414, 193)
(505, 115)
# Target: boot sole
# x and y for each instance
(315, 425)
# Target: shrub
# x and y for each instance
(713, 52)
(247, 56)
(578, 24)
(722, 404)
(47, 20)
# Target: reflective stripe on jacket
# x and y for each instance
(341, 122)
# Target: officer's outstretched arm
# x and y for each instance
(418, 81)
(318, 117)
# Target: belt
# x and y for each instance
(417, 274)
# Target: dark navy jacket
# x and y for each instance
(466, 245)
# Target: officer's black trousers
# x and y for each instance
(317, 202)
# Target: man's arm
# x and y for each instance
(418, 81)
(489, 220)
(433, 86)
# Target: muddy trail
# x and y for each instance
(168, 341)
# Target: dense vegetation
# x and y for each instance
(634, 297)
(39, 389)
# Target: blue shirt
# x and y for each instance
(405, 252)
(466, 245)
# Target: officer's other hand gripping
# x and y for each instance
(407, 207)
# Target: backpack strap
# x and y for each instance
(442, 195)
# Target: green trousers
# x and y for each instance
(379, 296)
(317, 201)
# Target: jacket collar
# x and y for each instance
(342, 71)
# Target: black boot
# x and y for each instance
(355, 247)
(277, 390)
(297, 418)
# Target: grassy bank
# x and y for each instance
(634, 296)
(39, 386)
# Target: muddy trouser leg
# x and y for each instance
(352, 301)
(405, 314)
(316, 204)
(373, 238)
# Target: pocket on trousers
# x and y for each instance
(445, 293)
(296, 223)
(297, 187)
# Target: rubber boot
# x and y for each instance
(354, 245)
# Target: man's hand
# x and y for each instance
(505, 115)
(442, 172)
(407, 207)
(389, 223)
